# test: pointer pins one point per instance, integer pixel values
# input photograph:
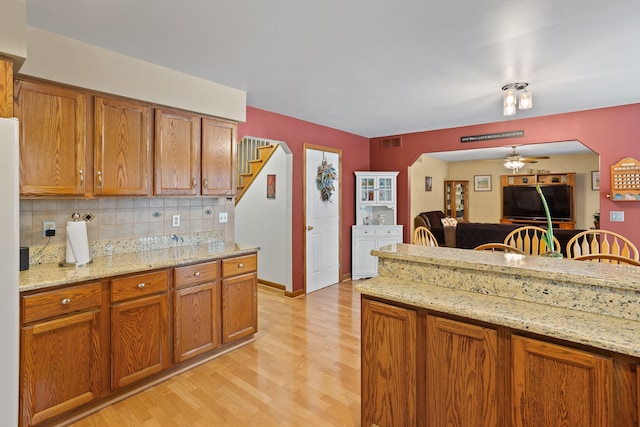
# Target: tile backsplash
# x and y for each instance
(144, 220)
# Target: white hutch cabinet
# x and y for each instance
(376, 221)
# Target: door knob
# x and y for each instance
(309, 227)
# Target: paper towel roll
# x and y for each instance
(77, 243)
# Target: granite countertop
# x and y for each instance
(582, 302)
(49, 275)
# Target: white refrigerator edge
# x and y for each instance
(9, 266)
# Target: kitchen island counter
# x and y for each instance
(584, 302)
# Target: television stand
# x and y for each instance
(563, 225)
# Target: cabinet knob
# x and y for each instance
(193, 182)
(240, 265)
(65, 301)
(81, 176)
(205, 183)
(197, 273)
(141, 285)
(99, 179)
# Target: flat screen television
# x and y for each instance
(523, 202)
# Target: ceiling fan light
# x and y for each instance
(513, 164)
(526, 100)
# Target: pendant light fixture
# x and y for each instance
(516, 94)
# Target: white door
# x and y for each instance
(322, 222)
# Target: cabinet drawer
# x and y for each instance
(377, 231)
(195, 274)
(54, 303)
(388, 232)
(365, 232)
(239, 265)
(138, 285)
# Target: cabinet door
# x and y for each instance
(239, 307)
(367, 189)
(462, 374)
(218, 158)
(139, 339)
(60, 362)
(52, 139)
(363, 263)
(122, 147)
(553, 382)
(386, 189)
(196, 318)
(388, 365)
(177, 153)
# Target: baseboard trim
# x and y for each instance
(272, 284)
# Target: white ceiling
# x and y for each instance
(377, 67)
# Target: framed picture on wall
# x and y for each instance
(428, 182)
(595, 180)
(271, 186)
(482, 183)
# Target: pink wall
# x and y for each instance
(296, 133)
(614, 133)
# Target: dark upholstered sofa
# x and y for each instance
(431, 220)
(468, 235)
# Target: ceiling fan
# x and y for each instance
(515, 161)
(515, 157)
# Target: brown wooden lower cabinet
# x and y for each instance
(89, 341)
(462, 369)
(139, 339)
(239, 298)
(421, 368)
(60, 352)
(388, 357)
(553, 382)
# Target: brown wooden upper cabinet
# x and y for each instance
(194, 155)
(122, 131)
(177, 153)
(218, 157)
(74, 142)
(53, 130)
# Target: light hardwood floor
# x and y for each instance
(303, 369)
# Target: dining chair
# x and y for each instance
(528, 239)
(601, 242)
(498, 247)
(423, 236)
(608, 259)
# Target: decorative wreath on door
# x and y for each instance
(324, 180)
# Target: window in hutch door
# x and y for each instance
(367, 186)
(385, 189)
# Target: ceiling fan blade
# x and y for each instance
(537, 157)
(528, 160)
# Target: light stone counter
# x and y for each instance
(48, 275)
(588, 303)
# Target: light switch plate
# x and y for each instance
(222, 217)
(616, 216)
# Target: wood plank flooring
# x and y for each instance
(303, 369)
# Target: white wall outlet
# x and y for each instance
(616, 216)
(48, 228)
(176, 221)
(222, 217)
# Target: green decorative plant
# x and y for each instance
(547, 237)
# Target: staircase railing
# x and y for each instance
(248, 150)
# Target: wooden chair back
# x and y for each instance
(601, 242)
(498, 247)
(423, 236)
(608, 259)
(529, 240)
